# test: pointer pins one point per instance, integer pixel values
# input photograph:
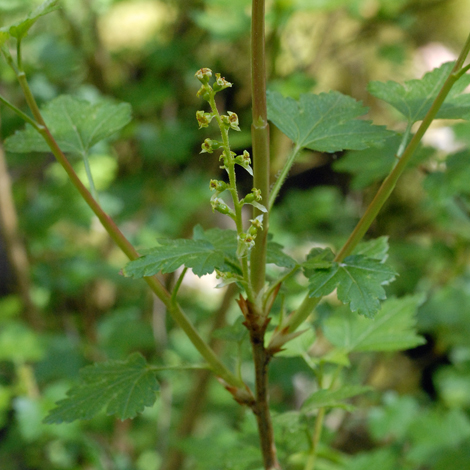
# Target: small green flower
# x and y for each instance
(203, 118)
(244, 161)
(257, 222)
(204, 75)
(233, 120)
(256, 194)
(220, 83)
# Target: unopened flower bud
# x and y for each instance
(204, 92)
(208, 146)
(248, 198)
(204, 75)
(218, 186)
(220, 206)
(253, 231)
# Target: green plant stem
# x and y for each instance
(126, 247)
(260, 139)
(308, 304)
(310, 465)
(282, 176)
(177, 286)
(19, 55)
(91, 183)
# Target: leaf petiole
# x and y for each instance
(89, 175)
(282, 176)
(179, 281)
(25, 117)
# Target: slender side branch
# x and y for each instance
(260, 138)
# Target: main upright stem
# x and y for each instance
(260, 138)
(256, 318)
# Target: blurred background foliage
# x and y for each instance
(65, 305)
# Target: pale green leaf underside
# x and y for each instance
(326, 122)
(208, 250)
(454, 180)
(375, 163)
(376, 248)
(332, 398)
(415, 97)
(75, 124)
(123, 387)
(20, 29)
(358, 281)
(392, 329)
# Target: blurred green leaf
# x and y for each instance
(445, 314)
(326, 122)
(276, 256)
(375, 163)
(333, 398)
(414, 99)
(75, 124)
(383, 459)
(453, 385)
(435, 432)
(392, 329)
(393, 419)
(20, 29)
(19, 343)
(300, 345)
(123, 387)
(235, 333)
(454, 180)
(358, 280)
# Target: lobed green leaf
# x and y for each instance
(75, 124)
(358, 280)
(208, 250)
(415, 97)
(392, 329)
(326, 122)
(123, 387)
